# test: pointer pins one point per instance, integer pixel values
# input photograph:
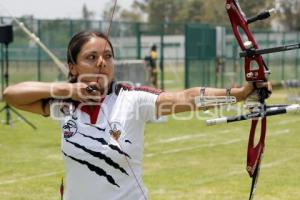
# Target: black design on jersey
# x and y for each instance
(103, 142)
(74, 118)
(100, 156)
(128, 141)
(95, 169)
(98, 128)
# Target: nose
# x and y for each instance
(101, 62)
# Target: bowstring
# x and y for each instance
(106, 117)
(126, 159)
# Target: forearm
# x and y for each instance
(30, 92)
(236, 92)
(174, 102)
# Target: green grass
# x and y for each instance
(184, 159)
(30, 162)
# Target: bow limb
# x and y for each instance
(37, 40)
(239, 21)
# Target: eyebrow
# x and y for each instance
(107, 51)
(95, 52)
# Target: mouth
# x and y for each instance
(98, 78)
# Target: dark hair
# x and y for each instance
(153, 48)
(76, 43)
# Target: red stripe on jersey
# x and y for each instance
(92, 111)
(140, 88)
(148, 89)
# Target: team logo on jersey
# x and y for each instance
(115, 132)
(69, 129)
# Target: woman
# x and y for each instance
(103, 122)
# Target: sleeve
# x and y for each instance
(146, 103)
(134, 105)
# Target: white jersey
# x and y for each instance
(103, 149)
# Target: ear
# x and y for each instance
(73, 69)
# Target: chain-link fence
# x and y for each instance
(27, 61)
(212, 56)
(188, 54)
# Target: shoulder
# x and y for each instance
(145, 89)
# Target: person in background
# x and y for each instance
(151, 60)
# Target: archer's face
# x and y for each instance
(95, 63)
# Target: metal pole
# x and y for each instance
(2, 64)
(138, 40)
(283, 60)
(2, 69)
(39, 53)
(162, 58)
(6, 80)
(297, 60)
(186, 61)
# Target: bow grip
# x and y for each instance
(263, 93)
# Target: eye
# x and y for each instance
(107, 56)
(91, 57)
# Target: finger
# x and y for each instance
(94, 96)
(261, 84)
(86, 100)
(94, 100)
(91, 89)
(270, 86)
(94, 85)
(81, 100)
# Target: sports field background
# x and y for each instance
(184, 159)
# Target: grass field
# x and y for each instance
(184, 159)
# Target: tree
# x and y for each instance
(210, 12)
(214, 12)
(136, 13)
(107, 14)
(163, 11)
(191, 12)
(252, 8)
(183, 11)
(87, 14)
(290, 14)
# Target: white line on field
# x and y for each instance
(176, 139)
(30, 178)
(264, 166)
(186, 137)
(284, 122)
(171, 151)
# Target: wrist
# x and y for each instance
(61, 90)
(239, 93)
